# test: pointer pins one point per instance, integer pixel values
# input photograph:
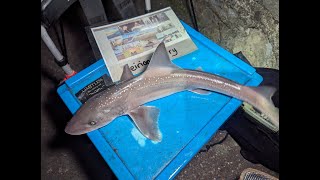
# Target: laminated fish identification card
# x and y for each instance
(133, 41)
(93, 88)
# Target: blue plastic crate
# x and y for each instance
(187, 120)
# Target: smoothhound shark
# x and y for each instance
(160, 79)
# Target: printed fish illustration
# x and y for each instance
(160, 79)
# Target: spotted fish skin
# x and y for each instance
(161, 78)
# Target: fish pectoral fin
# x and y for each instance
(146, 120)
(201, 91)
(126, 73)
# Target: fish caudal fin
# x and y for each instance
(269, 108)
(266, 91)
(146, 120)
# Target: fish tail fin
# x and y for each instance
(266, 91)
(271, 110)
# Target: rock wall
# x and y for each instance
(250, 26)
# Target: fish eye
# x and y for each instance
(92, 123)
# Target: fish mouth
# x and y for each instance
(73, 132)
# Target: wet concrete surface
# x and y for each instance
(75, 157)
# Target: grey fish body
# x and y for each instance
(161, 79)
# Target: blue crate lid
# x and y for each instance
(187, 120)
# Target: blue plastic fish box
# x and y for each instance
(187, 120)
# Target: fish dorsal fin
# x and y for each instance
(126, 73)
(146, 120)
(160, 59)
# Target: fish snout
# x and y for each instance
(73, 128)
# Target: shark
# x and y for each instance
(160, 79)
